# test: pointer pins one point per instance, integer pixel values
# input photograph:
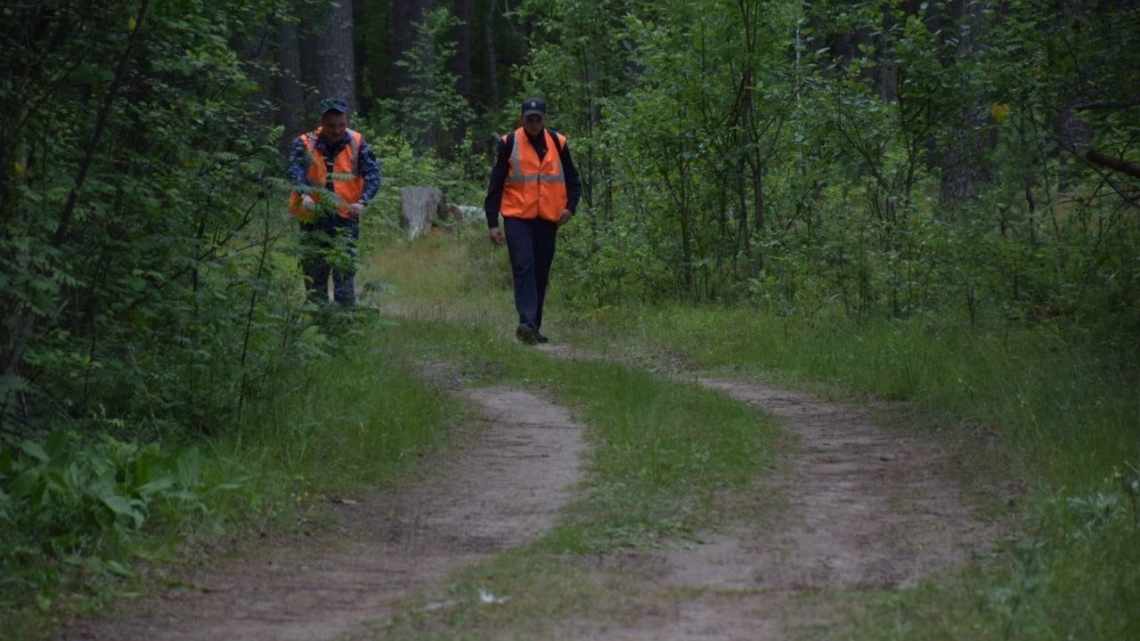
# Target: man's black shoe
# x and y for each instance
(526, 334)
(542, 340)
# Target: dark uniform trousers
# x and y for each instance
(328, 246)
(531, 247)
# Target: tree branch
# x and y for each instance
(1107, 106)
(1116, 164)
(100, 126)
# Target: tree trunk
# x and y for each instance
(405, 14)
(963, 163)
(336, 60)
(289, 90)
(492, 59)
(886, 73)
(749, 14)
(742, 227)
(461, 65)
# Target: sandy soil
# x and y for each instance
(499, 491)
(854, 507)
(865, 507)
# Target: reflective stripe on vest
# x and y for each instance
(517, 176)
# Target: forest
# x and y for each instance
(930, 202)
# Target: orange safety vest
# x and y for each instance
(348, 185)
(535, 187)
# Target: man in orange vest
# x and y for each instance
(535, 187)
(334, 174)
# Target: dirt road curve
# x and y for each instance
(854, 507)
(866, 507)
(500, 491)
(851, 507)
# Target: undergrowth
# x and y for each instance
(77, 513)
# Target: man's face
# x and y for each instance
(333, 126)
(533, 124)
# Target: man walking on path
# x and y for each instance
(535, 187)
(334, 174)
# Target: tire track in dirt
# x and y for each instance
(852, 506)
(866, 508)
(501, 490)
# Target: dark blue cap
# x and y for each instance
(338, 105)
(533, 106)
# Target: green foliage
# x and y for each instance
(73, 500)
(888, 159)
(148, 278)
(883, 174)
(404, 166)
(429, 110)
(78, 510)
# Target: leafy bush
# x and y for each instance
(66, 496)
(907, 160)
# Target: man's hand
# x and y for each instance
(355, 209)
(564, 217)
(496, 235)
(308, 203)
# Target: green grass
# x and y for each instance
(662, 451)
(346, 423)
(542, 591)
(1064, 413)
(1075, 578)
(543, 596)
(667, 459)
(1069, 412)
(352, 420)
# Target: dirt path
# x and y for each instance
(865, 507)
(853, 507)
(500, 491)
